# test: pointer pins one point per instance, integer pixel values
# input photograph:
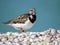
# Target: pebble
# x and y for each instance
(48, 37)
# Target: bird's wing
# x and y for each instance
(18, 19)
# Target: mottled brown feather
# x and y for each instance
(18, 19)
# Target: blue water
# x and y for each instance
(48, 13)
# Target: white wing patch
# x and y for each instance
(31, 16)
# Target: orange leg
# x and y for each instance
(20, 29)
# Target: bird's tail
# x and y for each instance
(3, 23)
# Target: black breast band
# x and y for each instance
(32, 19)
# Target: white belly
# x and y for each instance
(25, 26)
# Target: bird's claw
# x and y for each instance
(20, 29)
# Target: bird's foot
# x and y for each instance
(20, 29)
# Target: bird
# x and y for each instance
(24, 21)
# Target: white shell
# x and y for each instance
(29, 38)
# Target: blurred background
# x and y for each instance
(48, 13)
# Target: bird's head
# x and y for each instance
(32, 11)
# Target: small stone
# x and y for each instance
(48, 37)
(40, 34)
(15, 40)
(37, 36)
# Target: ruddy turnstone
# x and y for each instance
(24, 21)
